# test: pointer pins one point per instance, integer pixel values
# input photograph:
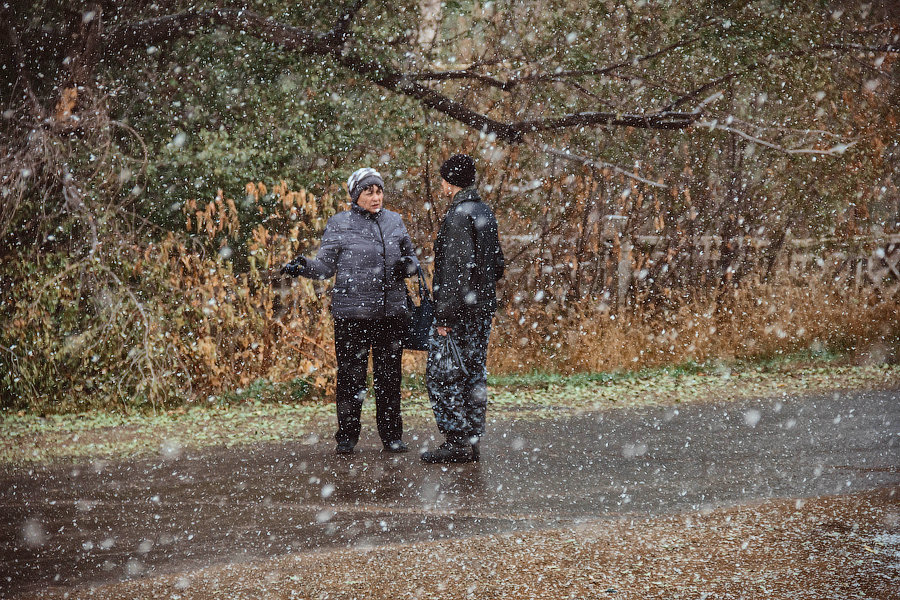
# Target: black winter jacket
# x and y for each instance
(363, 249)
(468, 260)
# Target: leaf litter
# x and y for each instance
(836, 547)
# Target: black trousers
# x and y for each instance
(352, 340)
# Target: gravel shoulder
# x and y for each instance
(828, 547)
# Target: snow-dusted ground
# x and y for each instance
(740, 499)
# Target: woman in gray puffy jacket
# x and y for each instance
(370, 254)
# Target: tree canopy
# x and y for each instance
(555, 75)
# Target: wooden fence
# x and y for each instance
(620, 265)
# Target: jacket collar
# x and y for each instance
(363, 212)
(469, 194)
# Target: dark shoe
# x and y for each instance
(344, 449)
(396, 447)
(449, 453)
(476, 452)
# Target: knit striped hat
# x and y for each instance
(361, 179)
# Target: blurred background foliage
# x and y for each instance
(149, 193)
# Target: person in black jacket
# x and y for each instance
(468, 261)
(370, 253)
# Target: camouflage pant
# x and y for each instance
(459, 401)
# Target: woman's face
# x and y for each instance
(371, 199)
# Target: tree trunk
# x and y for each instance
(429, 23)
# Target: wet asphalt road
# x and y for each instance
(73, 526)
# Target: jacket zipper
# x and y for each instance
(384, 269)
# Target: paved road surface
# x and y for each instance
(72, 526)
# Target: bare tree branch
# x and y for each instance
(607, 70)
(332, 44)
(508, 132)
(513, 82)
(76, 205)
(599, 164)
(858, 47)
(11, 49)
(341, 32)
(768, 60)
(806, 132)
(467, 73)
(85, 58)
(170, 27)
(835, 150)
(659, 120)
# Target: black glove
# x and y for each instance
(405, 267)
(293, 268)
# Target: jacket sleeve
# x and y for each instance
(487, 245)
(456, 286)
(406, 246)
(324, 264)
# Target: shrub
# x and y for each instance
(142, 327)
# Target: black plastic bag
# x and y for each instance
(421, 317)
(448, 360)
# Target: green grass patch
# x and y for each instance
(538, 380)
(263, 390)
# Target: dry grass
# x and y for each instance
(155, 325)
(754, 321)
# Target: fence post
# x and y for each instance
(624, 273)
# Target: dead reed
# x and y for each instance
(756, 320)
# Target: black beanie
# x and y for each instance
(459, 170)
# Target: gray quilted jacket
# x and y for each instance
(363, 250)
